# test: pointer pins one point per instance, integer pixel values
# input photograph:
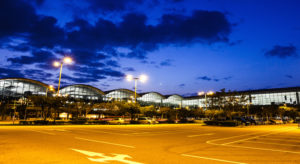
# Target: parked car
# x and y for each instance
(116, 121)
(276, 121)
(146, 120)
(242, 120)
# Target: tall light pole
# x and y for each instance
(205, 94)
(142, 78)
(66, 60)
(51, 88)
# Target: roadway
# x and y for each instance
(152, 144)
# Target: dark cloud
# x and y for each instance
(129, 69)
(112, 63)
(227, 78)
(6, 73)
(37, 74)
(181, 85)
(289, 76)
(16, 17)
(167, 62)
(133, 32)
(93, 45)
(206, 78)
(282, 51)
(36, 57)
(111, 5)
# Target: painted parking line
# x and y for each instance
(264, 149)
(245, 139)
(60, 130)
(41, 132)
(101, 131)
(272, 143)
(199, 135)
(211, 142)
(282, 139)
(213, 159)
(104, 142)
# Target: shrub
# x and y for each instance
(78, 121)
(41, 122)
(222, 123)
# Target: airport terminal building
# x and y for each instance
(21, 87)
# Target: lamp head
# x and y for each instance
(201, 93)
(129, 77)
(210, 93)
(56, 64)
(67, 60)
(143, 78)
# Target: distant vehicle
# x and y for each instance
(116, 121)
(146, 120)
(242, 120)
(251, 120)
(276, 121)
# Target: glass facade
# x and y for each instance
(151, 97)
(21, 87)
(82, 92)
(119, 95)
(173, 100)
(274, 98)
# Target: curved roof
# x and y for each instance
(162, 96)
(122, 89)
(28, 80)
(168, 96)
(86, 86)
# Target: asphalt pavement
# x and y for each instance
(151, 144)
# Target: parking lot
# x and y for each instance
(175, 143)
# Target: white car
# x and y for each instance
(116, 121)
(146, 120)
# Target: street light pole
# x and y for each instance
(135, 86)
(66, 60)
(61, 66)
(142, 78)
(205, 96)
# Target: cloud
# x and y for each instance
(6, 73)
(206, 78)
(167, 62)
(129, 69)
(282, 51)
(181, 85)
(37, 74)
(36, 57)
(115, 5)
(94, 46)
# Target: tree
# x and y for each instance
(40, 101)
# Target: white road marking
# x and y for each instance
(246, 147)
(104, 158)
(271, 143)
(101, 131)
(60, 130)
(282, 139)
(104, 142)
(207, 134)
(220, 139)
(41, 132)
(255, 137)
(214, 159)
(256, 148)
